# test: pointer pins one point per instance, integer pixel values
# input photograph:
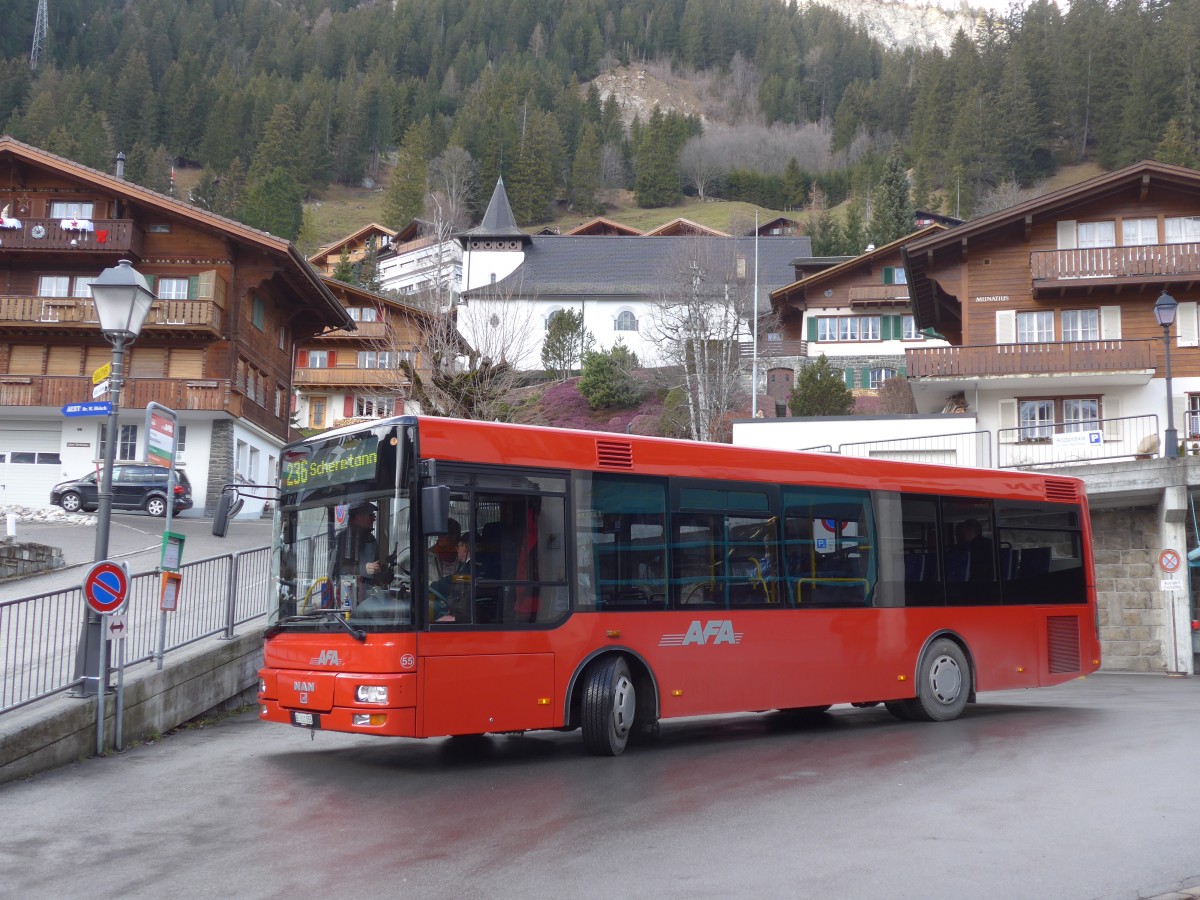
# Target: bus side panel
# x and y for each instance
(489, 692)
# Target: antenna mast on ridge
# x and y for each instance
(39, 34)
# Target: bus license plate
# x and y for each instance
(306, 719)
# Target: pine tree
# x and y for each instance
(892, 212)
(820, 391)
(531, 185)
(405, 198)
(368, 268)
(656, 163)
(567, 341)
(274, 204)
(279, 147)
(344, 270)
(586, 180)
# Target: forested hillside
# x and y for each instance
(276, 99)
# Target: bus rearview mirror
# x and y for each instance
(435, 509)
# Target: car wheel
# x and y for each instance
(71, 502)
(156, 506)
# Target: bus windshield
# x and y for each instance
(344, 540)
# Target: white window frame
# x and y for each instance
(1080, 325)
(1035, 326)
(1182, 229)
(168, 288)
(909, 328)
(1081, 414)
(366, 406)
(625, 321)
(54, 286)
(82, 287)
(72, 209)
(318, 359)
(1139, 232)
(1036, 419)
(880, 375)
(1097, 234)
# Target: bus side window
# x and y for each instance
(620, 542)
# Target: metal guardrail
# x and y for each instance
(968, 448)
(39, 635)
(1059, 443)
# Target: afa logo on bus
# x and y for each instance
(720, 631)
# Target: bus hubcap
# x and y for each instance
(945, 679)
(623, 705)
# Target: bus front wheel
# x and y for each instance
(608, 707)
(943, 683)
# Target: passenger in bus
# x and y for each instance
(444, 551)
(357, 551)
(454, 589)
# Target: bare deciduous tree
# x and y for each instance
(697, 321)
(699, 167)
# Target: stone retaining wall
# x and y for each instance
(19, 559)
(1133, 620)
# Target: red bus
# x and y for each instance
(522, 578)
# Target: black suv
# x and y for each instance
(134, 486)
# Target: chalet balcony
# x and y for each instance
(365, 331)
(43, 315)
(878, 294)
(337, 377)
(106, 236)
(1088, 357)
(773, 349)
(1055, 272)
(208, 394)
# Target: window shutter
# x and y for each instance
(889, 275)
(1006, 326)
(95, 357)
(1110, 323)
(148, 362)
(1110, 412)
(1067, 234)
(1008, 421)
(185, 363)
(64, 361)
(332, 358)
(848, 374)
(866, 377)
(24, 360)
(301, 359)
(885, 328)
(812, 329)
(193, 287)
(150, 284)
(348, 407)
(1185, 322)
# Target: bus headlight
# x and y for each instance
(371, 693)
(366, 719)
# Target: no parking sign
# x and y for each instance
(106, 586)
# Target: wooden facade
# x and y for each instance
(326, 259)
(231, 300)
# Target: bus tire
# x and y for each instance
(899, 709)
(943, 683)
(608, 708)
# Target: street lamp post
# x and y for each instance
(123, 299)
(1164, 314)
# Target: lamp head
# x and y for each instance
(1164, 310)
(123, 300)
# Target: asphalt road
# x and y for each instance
(1087, 790)
(134, 538)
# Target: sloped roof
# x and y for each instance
(292, 263)
(498, 219)
(341, 242)
(850, 264)
(680, 226)
(636, 266)
(932, 306)
(602, 226)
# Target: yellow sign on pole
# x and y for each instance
(102, 373)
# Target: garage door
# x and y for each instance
(30, 464)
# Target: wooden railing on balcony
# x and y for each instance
(165, 315)
(773, 349)
(106, 236)
(1022, 359)
(340, 377)
(1146, 261)
(898, 292)
(365, 331)
(209, 394)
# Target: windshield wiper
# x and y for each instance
(327, 615)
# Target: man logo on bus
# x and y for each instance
(720, 630)
(327, 658)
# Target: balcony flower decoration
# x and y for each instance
(76, 224)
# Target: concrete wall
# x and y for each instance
(63, 730)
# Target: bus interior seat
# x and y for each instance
(958, 565)
(914, 566)
(1007, 562)
(1035, 561)
(487, 550)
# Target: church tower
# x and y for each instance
(496, 248)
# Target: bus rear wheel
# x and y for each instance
(943, 683)
(608, 707)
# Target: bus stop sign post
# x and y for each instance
(162, 426)
(105, 589)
